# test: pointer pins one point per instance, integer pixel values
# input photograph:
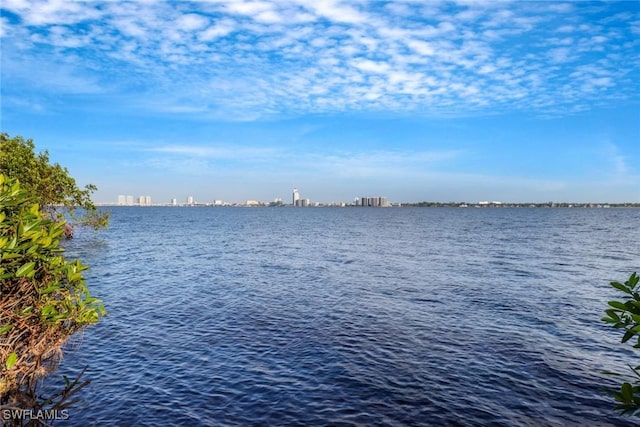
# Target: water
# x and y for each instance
(353, 317)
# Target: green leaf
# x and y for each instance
(50, 289)
(612, 314)
(25, 269)
(75, 277)
(627, 392)
(30, 226)
(13, 243)
(627, 336)
(618, 305)
(11, 360)
(5, 328)
(47, 310)
(621, 287)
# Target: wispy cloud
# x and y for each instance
(616, 168)
(211, 159)
(219, 152)
(382, 164)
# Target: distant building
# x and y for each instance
(122, 200)
(129, 201)
(190, 200)
(374, 202)
(296, 197)
(141, 201)
(147, 200)
(276, 202)
(218, 203)
(174, 202)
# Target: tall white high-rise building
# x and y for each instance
(129, 200)
(122, 200)
(174, 202)
(296, 197)
(190, 200)
(147, 200)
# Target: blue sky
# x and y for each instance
(412, 100)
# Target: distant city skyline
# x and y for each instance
(297, 201)
(245, 100)
(361, 201)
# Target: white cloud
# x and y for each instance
(487, 69)
(4, 24)
(220, 29)
(248, 7)
(44, 12)
(192, 21)
(371, 66)
(269, 57)
(336, 11)
(421, 47)
(561, 54)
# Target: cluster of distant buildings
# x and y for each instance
(130, 201)
(374, 202)
(296, 201)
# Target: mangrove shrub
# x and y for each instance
(43, 297)
(625, 315)
(49, 185)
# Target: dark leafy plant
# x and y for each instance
(49, 185)
(625, 315)
(43, 297)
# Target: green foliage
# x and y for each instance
(43, 297)
(625, 315)
(49, 185)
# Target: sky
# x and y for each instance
(526, 101)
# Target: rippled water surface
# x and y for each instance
(399, 316)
